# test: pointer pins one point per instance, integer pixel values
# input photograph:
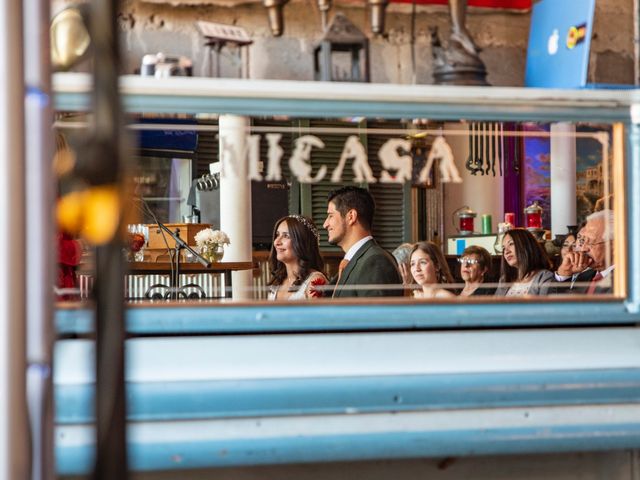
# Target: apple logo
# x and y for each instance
(552, 44)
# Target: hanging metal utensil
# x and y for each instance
(489, 148)
(501, 149)
(476, 165)
(469, 164)
(480, 151)
(494, 155)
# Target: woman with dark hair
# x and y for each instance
(294, 261)
(475, 263)
(567, 245)
(429, 269)
(525, 265)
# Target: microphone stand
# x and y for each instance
(174, 290)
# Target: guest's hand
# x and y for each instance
(405, 273)
(574, 262)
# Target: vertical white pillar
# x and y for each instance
(235, 199)
(14, 431)
(563, 177)
(39, 214)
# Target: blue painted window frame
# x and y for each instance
(540, 390)
(314, 99)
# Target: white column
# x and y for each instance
(14, 432)
(563, 177)
(39, 217)
(235, 199)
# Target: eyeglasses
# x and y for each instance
(586, 243)
(468, 261)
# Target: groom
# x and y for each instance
(349, 220)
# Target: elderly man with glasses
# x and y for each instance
(589, 267)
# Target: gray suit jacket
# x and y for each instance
(371, 265)
(579, 284)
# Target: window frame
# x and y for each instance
(523, 390)
(315, 100)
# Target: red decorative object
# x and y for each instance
(69, 254)
(533, 216)
(466, 218)
(466, 225)
(136, 242)
(510, 218)
(318, 282)
(534, 221)
(508, 4)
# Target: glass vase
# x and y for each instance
(212, 252)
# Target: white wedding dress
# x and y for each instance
(304, 292)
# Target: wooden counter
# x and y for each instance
(158, 268)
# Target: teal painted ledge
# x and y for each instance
(198, 400)
(184, 445)
(212, 318)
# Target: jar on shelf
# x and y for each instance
(466, 219)
(533, 216)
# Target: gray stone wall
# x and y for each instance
(612, 48)
(153, 26)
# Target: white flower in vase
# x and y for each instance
(211, 243)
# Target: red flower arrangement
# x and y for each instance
(136, 241)
(316, 282)
(69, 254)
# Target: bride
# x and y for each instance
(294, 261)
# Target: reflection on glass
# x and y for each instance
(419, 174)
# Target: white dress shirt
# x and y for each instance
(355, 247)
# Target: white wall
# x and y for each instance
(481, 193)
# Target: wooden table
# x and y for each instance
(156, 268)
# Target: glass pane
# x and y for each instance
(464, 211)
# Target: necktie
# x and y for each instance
(343, 264)
(594, 283)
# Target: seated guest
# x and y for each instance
(294, 261)
(567, 245)
(525, 265)
(589, 266)
(475, 263)
(558, 248)
(566, 254)
(429, 269)
(402, 254)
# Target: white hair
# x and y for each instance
(607, 218)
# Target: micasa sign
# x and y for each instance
(396, 162)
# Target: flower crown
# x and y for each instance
(305, 221)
